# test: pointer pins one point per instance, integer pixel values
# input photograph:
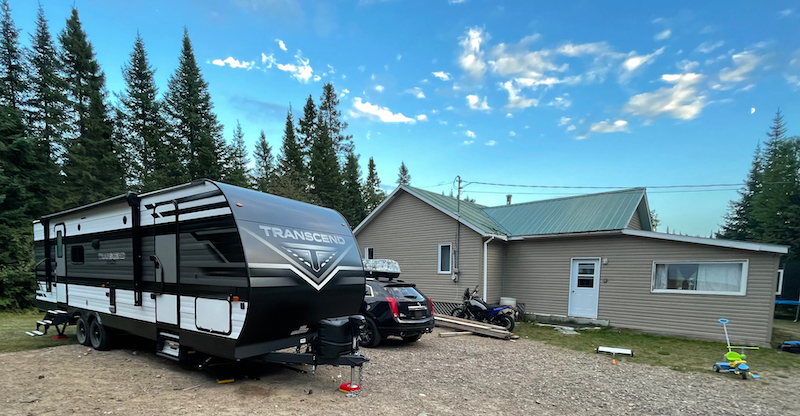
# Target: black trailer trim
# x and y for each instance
(136, 236)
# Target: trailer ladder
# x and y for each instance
(53, 318)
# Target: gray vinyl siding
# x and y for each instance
(409, 231)
(496, 264)
(537, 273)
(636, 223)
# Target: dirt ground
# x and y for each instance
(435, 376)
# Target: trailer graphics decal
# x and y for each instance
(315, 263)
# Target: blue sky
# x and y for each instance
(587, 93)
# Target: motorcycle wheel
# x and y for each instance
(505, 321)
(458, 313)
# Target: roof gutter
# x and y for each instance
(485, 265)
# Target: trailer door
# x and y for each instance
(166, 263)
(60, 231)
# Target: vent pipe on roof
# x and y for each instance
(508, 199)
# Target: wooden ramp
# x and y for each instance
(467, 326)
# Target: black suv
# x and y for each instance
(392, 306)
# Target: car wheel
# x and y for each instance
(98, 336)
(458, 313)
(412, 338)
(370, 336)
(505, 321)
(82, 331)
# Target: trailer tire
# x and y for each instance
(98, 336)
(82, 331)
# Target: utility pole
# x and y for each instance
(457, 251)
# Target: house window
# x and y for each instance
(779, 289)
(369, 253)
(707, 277)
(77, 254)
(445, 254)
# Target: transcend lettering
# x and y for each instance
(119, 255)
(289, 234)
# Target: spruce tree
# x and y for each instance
(144, 127)
(354, 207)
(373, 194)
(12, 79)
(324, 172)
(403, 178)
(236, 170)
(330, 117)
(264, 173)
(308, 127)
(291, 174)
(740, 222)
(92, 167)
(190, 112)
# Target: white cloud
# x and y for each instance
(708, 46)
(785, 13)
(561, 103)
(444, 76)
(563, 121)
(434, 111)
(456, 1)
(379, 88)
(374, 112)
(416, 91)
(793, 80)
(512, 133)
(344, 76)
(509, 115)
(469, 133)
(372, 77)
(361, 68)
(233, 63)
(302, 71)
(606, 127)
(475, 103)
(331, 70)
(317, 78)
(449, 108)
(471, 59)
(399, 57)
(572, 127)
(422, 117)
(687, 65)
(744, 63)
(662, 35)
(346, 91)
(442, 122)
(680, 101)
(468, 142)
(634, 62)
(281, 44)
(490, 143)
(515, 99)
(269, 61)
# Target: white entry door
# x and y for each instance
(584, 288)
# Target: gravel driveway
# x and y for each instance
(435, 376)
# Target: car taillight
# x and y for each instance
(430, 302)
(393, 307)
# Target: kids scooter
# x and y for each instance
(736, 363)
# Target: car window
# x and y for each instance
(405, 292)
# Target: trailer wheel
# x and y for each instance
(370, 336)
(98, 336)
(82, 331)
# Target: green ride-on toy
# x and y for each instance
(735, 362)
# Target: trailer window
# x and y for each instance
(77, 255)
(59, 245)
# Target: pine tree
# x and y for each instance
(190, 112)
(330, 117)
(47, 104)
(354, 206)
(307, 128)
(144, 127)
(236, 170)
(291, 173)
(264, 173)
(93, 168)
(12, 76)
(324, 171)
(403, 178)
(373, 194)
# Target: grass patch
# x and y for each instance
(13, 337)
(676, 353)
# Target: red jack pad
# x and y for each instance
(348, 388)
(60, 337)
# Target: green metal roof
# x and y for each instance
(584, 213)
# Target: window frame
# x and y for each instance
(72, 252)
(366, 253)
(439, 259)
(742, 287)
(780, 283)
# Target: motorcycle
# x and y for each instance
(476, 309)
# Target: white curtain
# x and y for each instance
(722, 277)
(661, 276)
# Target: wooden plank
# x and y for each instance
(454, 334)
(471, 326)
(467, 321)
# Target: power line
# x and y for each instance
(609, 187)
(573, 193)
